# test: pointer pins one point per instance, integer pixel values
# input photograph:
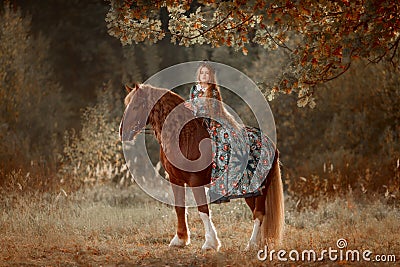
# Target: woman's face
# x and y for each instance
(204, 75)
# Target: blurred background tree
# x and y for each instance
(33, 111)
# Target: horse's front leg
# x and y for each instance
(212, 241)
(182, 236)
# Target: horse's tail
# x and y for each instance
(273, 221)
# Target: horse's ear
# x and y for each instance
(128, 89)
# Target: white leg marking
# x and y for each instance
(177, 242)
(212, 241)
(253, 242)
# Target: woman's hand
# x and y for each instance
(189, 105)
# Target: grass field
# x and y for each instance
(107, 226)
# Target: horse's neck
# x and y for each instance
(159, 114)
(157, 120)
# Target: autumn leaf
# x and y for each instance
(328, 34)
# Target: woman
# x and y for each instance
(206, 87)
(236, 149)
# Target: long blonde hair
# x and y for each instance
(215, 108)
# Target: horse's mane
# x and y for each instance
(151, 92)
(167, 101)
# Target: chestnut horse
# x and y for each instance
(150, 105)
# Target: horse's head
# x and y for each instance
(136, 113)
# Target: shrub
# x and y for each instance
(94, 155)
(350, 141)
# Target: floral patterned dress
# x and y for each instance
(241, 157)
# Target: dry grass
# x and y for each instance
(106, 226)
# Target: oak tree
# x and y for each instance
(322, 38)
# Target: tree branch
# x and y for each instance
(283, 45)
(394, 47)
(328, 79)
(208, 30)
(239, 24)
(340, 74)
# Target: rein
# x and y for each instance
(147, 131)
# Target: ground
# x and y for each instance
(123, 227)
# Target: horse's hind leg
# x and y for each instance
(251, 202)
(257, 206)
(212, 241)
(182, 236)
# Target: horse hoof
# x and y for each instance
(177, 242)
(211, 245)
